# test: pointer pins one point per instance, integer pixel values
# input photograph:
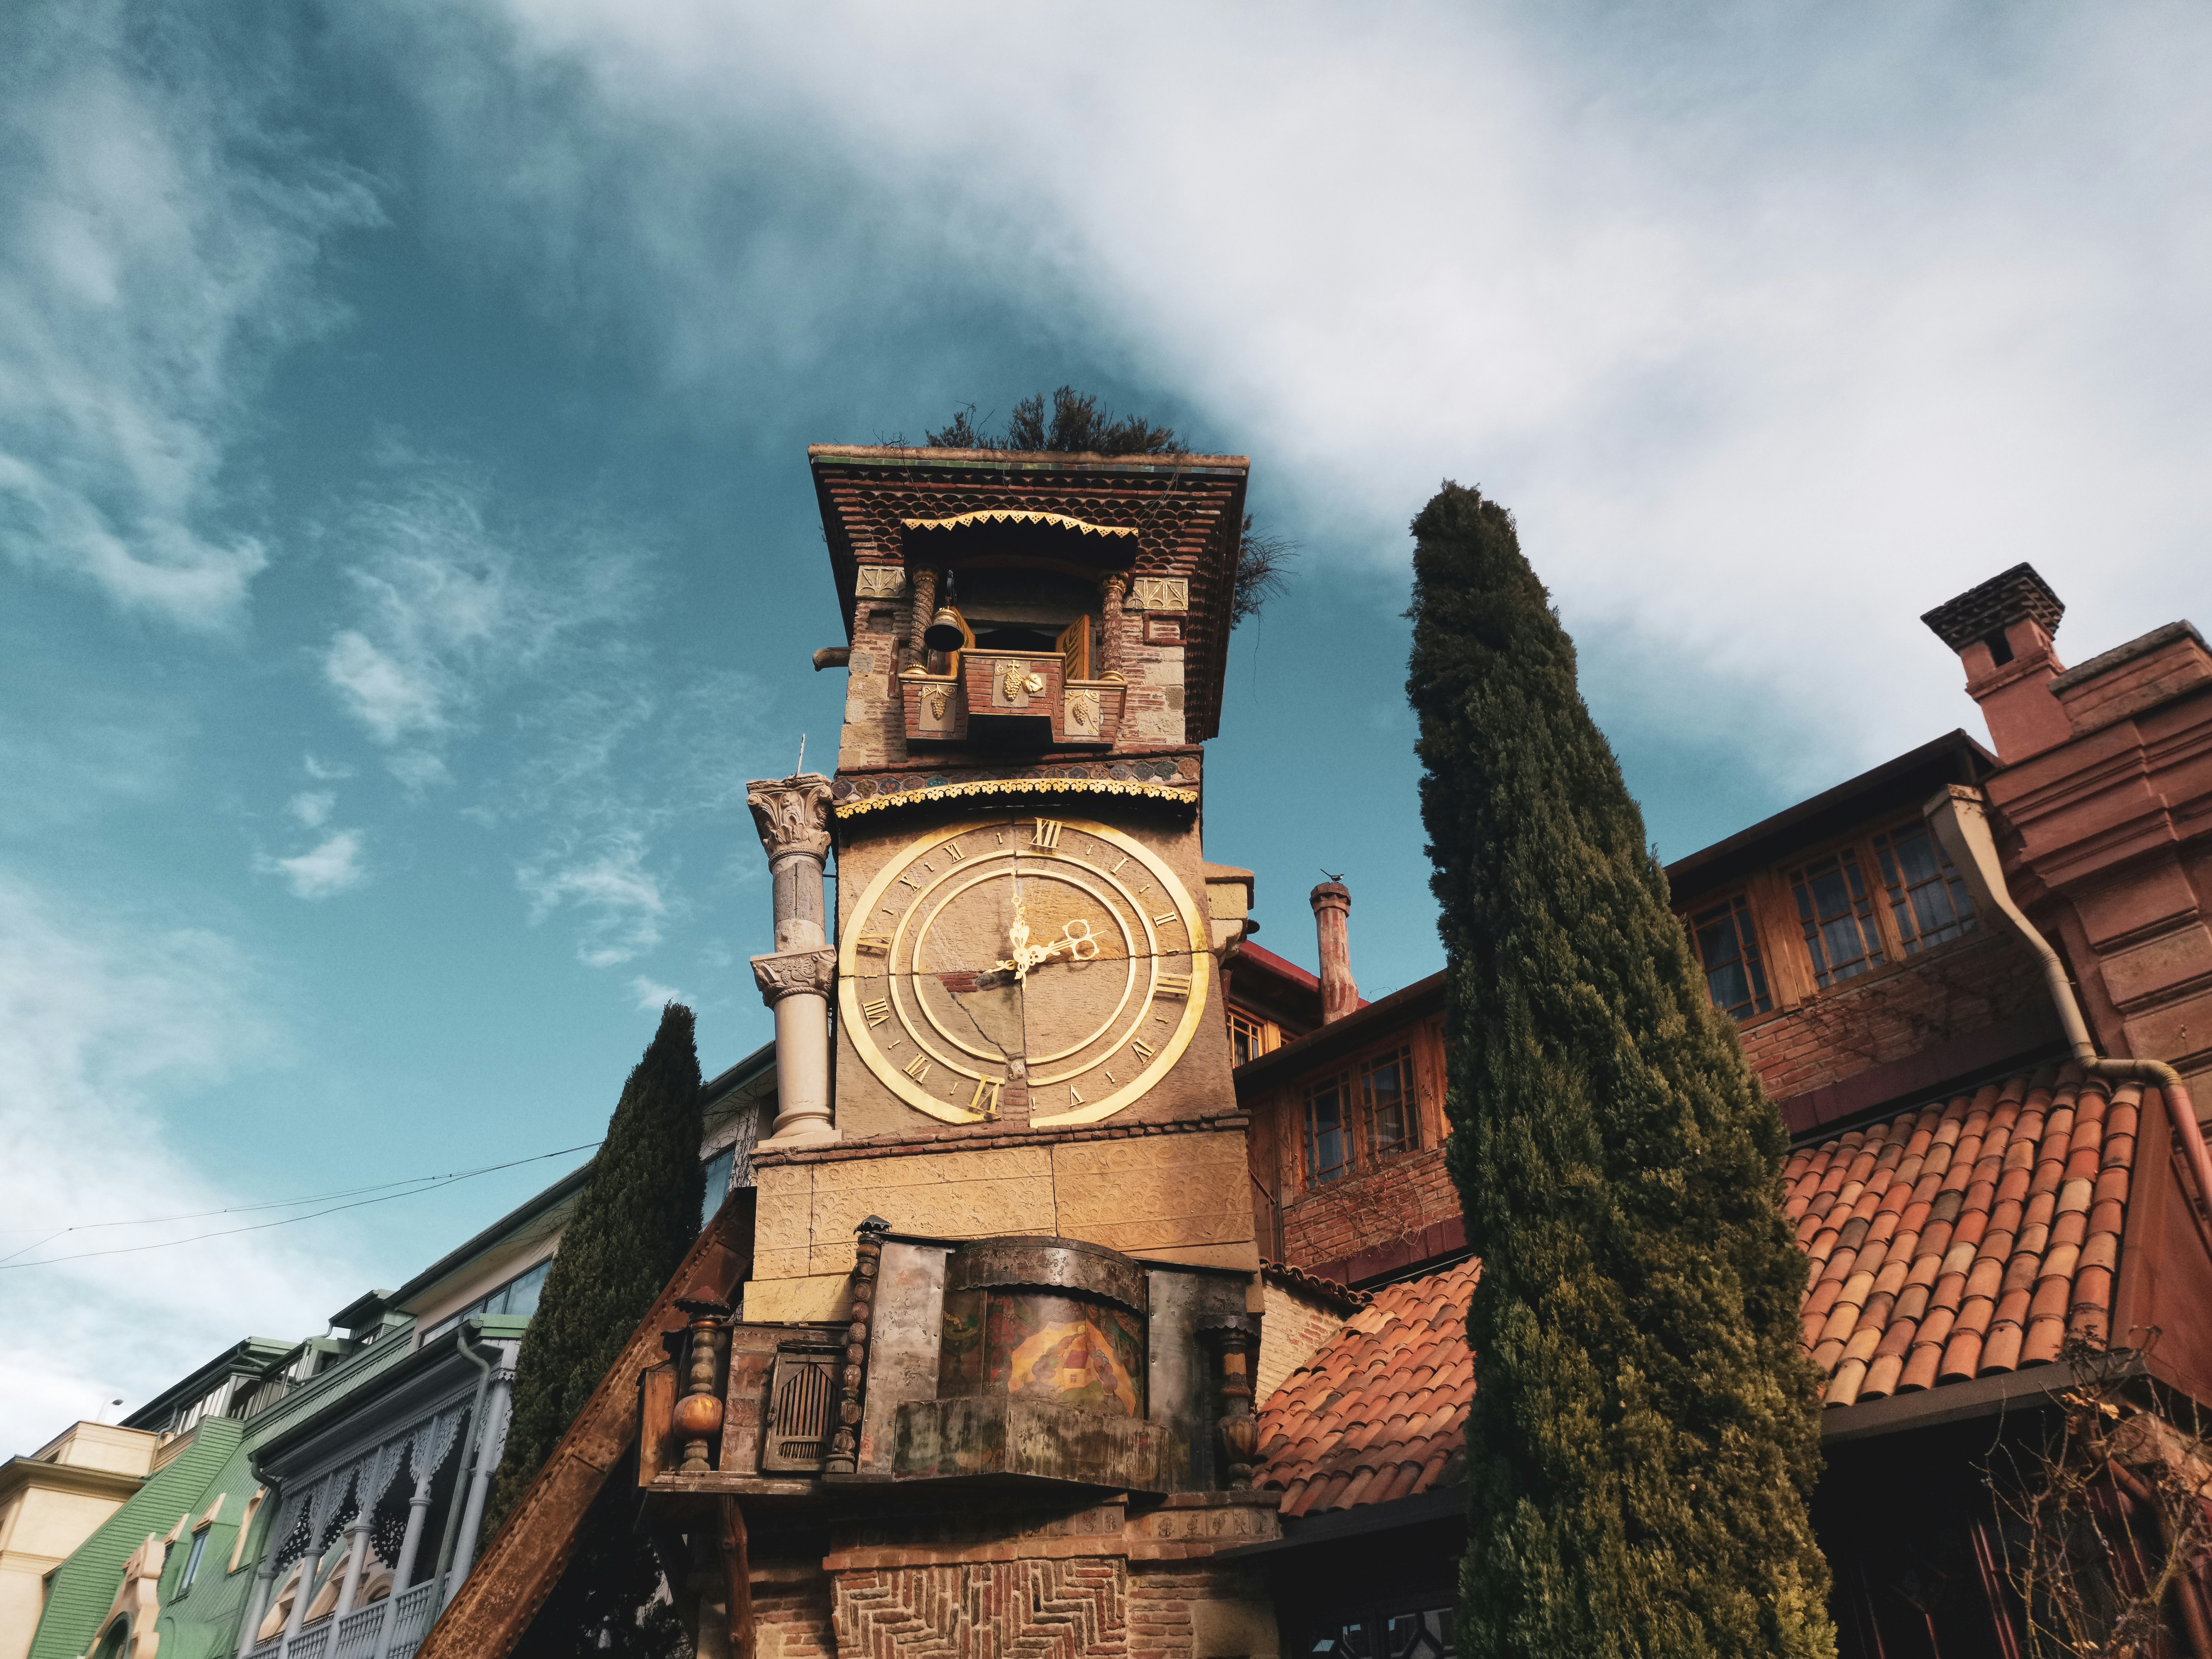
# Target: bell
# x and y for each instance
(944, 632)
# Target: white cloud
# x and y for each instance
(312, 807)
(325, 771)
(147, 273)
(621, 902)
(1774, 330)
(102, 1018)
(331, 867)
(651, 995)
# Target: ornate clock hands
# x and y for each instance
(1028, 955)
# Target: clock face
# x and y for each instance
(1052, 951)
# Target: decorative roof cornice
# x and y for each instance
(989, 787)
(1004, 515)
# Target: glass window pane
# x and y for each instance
(522, 1295)
(1926, 896)
(1387, 1086)
(1327, 1149)
(718, 1182)
(1728, 950)
(1838, 920)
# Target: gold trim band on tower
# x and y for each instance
(1005, 515)
(1018, 786)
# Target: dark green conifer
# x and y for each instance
(1644, 1435)
(635, 1218)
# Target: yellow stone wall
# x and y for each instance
(1168, 1198)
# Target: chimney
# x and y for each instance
(1332, 908)
(2002, 631)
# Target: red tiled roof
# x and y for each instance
(1342, 1297)
(1954, 1241)
(1965, 1238)
(1381, 1412)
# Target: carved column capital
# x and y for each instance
(793, 815)
(787, 973)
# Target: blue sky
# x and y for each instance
(407, 552)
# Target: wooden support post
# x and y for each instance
(736, 1564)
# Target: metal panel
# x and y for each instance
(1062, 1263)
(904, 1347)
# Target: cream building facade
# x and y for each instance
(50, 1503)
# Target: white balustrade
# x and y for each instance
(358, 1632)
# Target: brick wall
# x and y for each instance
(1295, 1327)
(1329, 1229)
(1891, 1014)
(792, 1614)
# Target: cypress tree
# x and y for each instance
(1644, 1436)
(636, 1217)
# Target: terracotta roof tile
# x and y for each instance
(2010, 1237)
(1956, 1240)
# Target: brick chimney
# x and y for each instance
(2002, 631)
(1332, 908)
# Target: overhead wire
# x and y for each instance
(417, 1184)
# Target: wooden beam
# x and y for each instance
(515, 1576)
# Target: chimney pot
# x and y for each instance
(1331, 908)
(2002, 631)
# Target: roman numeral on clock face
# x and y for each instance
(878, 1012)
(879, 944)
(986, 1097)
(1141, 1048)
(1046, 835)
(1163, 918)
(1175, 985)
(918, 1069)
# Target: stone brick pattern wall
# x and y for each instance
(1890, 1015)
(1038, 1609)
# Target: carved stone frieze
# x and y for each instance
(793, 814)
(783, 973)
(880, 581)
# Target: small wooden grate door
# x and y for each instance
(800, 1401)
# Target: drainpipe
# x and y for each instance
(1960, 819)
(446, 1538)
(489, 1440)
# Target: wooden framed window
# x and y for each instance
(1248, 1037)
(1328, 1137)
(1387, 1099)
(1928, 899)
(1836, 912)
(1423, 1630)
(1727, 947)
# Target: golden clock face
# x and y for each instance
(1052, 951)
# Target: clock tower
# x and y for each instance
(1011, 1023)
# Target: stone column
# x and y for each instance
(1113, 588)
(410, 1544)
(921, 606)
(357, 1557)
(265, 1580)
(1331, 908)
(306, 1594)
(795, 980)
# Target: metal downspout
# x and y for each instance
(452, 1530)
(1960, 819)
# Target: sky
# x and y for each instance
(407, 551)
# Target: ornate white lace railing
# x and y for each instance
(310, 1643)
(358, 1630)
(412, 1613)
